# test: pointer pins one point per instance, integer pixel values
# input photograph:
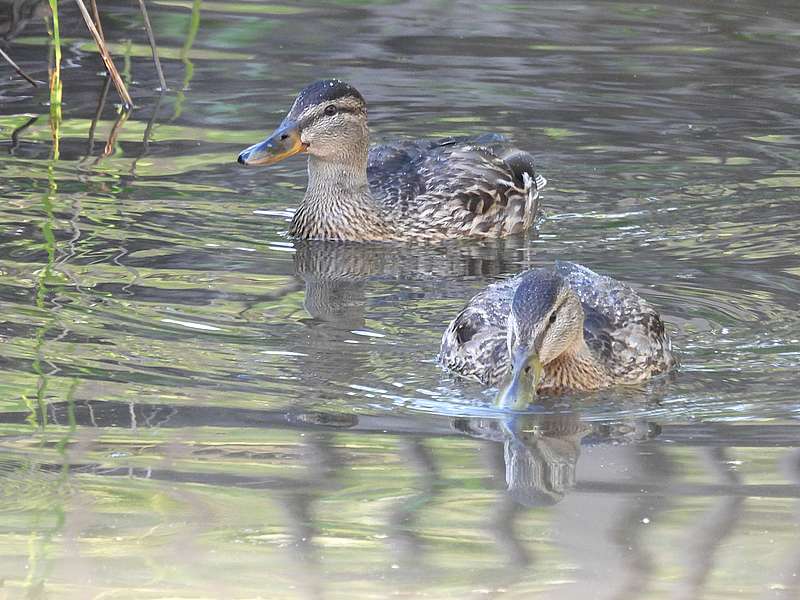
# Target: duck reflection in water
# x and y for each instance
(344, 283)
(540, 452)
(335, 274)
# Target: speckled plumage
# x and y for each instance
(454, 187)
(625, 340)
(409, 190)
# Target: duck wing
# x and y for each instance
(479, 186)
(621, 328)
(474, 344)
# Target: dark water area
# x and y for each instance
(193, 405)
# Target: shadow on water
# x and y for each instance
(193, 405)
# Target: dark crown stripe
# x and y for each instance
(537, 293)
(327, 90)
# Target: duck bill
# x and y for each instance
(519, 387)
(284, 142)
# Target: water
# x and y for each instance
(193, 406)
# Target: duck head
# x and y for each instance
(545, 322)
(328, 121)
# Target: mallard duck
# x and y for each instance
(553, 330)
(425, 189)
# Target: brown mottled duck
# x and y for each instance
(408, 190)
(554, 330)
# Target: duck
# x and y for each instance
(455, 187)
(554, 330)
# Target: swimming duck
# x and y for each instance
(425, 189)
(553, 330)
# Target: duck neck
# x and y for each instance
(576, 368)
(346, 175)
(338, 203)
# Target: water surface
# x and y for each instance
(194, 406)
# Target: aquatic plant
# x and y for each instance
(93, 24)
(54, 71)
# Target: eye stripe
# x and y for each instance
(342, 105)
(550, 319)
(309, 120)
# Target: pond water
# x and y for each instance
(195, 406)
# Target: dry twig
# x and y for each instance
(106, 56)
(156, 61)
(16, 67)
(97, 22)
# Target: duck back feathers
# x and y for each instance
(455, 187)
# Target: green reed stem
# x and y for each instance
(55, 80)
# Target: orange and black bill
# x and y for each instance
(283, 143)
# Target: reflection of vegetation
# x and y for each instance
(254, 8)
(101, 103)
(45, 274)
(80, 128)
(40, 537)
(17, 132)
(191, 35)
(353, 503)
(136, 50)
(147, 133)
(125, 50)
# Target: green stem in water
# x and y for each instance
(55, 80)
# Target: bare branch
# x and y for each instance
(16, 67)
(106, 56)
(153, 48)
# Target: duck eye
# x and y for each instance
(552, 318)
(330, 110)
